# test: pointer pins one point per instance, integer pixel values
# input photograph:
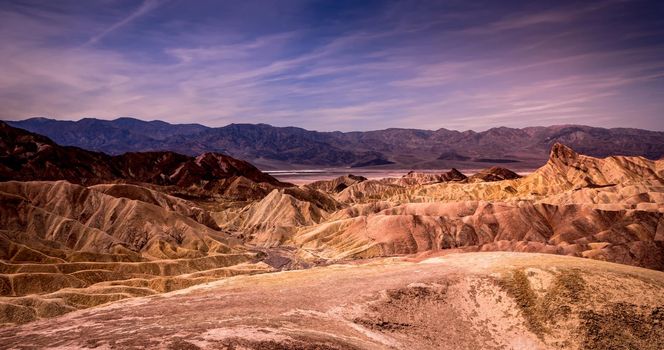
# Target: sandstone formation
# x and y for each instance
(64, 246)
(608, 209)
(336, 185)
(80, 229)
(494, 174)
(420, 178)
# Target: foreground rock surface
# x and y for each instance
(458, 301)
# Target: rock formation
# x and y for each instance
(80, 229)
(457, 301)
(25, 156)
(494, 174)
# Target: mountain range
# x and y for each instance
(270, 147)
(207, 251)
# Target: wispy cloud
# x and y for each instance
(146, 7)
(403, 66)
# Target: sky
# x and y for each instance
(336, 65)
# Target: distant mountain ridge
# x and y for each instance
(272, 147)
(109, 136)
(25, 156)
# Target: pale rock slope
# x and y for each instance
(170, 203)
(608, 209)
(65, 246)
(459, 301)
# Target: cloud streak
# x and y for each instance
(394, 66)
(146, 7)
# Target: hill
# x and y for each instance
(26, 156)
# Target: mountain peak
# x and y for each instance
(562, 153)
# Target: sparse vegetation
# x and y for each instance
(566, 291)
(612, 326)
(518, 287)
(623, 326)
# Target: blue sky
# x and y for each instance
(336, 65)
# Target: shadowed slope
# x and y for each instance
(26, 156)
(270, 146)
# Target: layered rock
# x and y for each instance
(70, 219)
(336, 185)
(419, 178)
(458, 301)
(494, 174)
(64, 247)
(632, 237)
(609, 209)
(126, 235)
(157, 198)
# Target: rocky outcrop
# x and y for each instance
(66, 219)
(418, 178)
(458, 301)
(494, 174)
(157, 198)
(631, 237)
(64, 246)
(336, 185)
(25, 156)
(609, 209)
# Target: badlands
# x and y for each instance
(161, 250)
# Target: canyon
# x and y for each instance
(207, 251)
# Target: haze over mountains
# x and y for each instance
(271, 147)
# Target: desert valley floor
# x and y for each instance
(161, 250)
